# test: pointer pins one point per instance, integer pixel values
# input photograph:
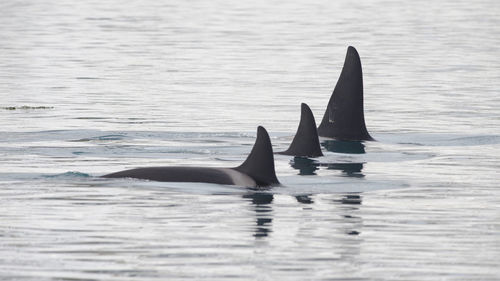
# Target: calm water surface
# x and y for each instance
(91, 87)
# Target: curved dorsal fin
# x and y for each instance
(344, 118)
(306, 141)
(259, 164)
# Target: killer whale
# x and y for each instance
(344, 117)
(257, 170)
(306, 140)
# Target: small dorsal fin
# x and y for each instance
(344, 117)
(306, 141)
(259, 164)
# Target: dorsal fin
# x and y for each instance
(259, 164)
(344, 118)
(306, 141)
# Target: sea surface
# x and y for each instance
(93, 87)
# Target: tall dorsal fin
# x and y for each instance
(344, 118)
(259, 164)
(306, 141)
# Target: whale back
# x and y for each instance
(176, 174)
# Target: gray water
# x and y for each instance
(92, 87)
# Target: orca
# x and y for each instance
(306, 140)
(344, 118)
(257, 170)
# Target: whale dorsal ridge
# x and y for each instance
(259, 164)
(344, 116)
(306, 140)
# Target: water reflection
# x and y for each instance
(305, 166)
(262, 206)
(304, 199)
(348, 169)
(351, 204)
(352, 147)
(351, 199)
(309, 167)
(263, 211)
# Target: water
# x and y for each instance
(92, 87)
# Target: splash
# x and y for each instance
(70, 174)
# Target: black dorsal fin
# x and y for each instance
(306, 141)
(259, 164)
(344, 118)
